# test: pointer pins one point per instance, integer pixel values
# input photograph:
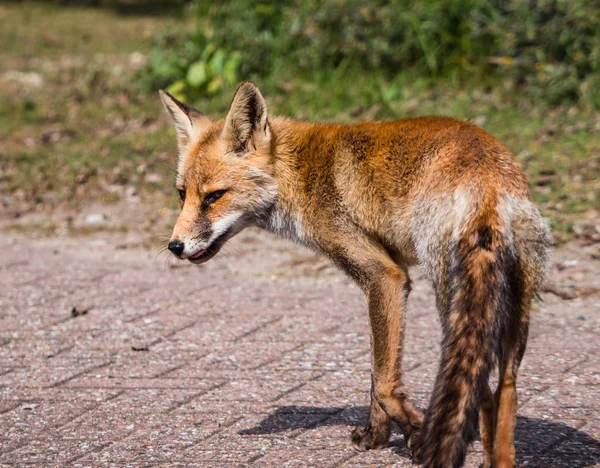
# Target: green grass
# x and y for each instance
(87, 126)
(90, 128)
(47, 30)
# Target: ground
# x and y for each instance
(112, 356)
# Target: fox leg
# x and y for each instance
(506, 406)
(387, 303)
(513, 350)
(506, 418)
(386, 286)
(376, 432)
(486, 426)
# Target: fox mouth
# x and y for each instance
(209, 252)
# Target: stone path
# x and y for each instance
(112, 357)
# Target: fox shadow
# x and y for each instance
(538, 442)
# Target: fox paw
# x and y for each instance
(370, 438)
(415, 445)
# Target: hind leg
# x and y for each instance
(532, 244)
(486, 426)
(506, 417)
(506, 396)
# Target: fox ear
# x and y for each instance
(189, 122)
(247, 121)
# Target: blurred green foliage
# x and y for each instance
(549, 49)
(85, 133)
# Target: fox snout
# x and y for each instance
(192, 239)
(176, 247)
(193, 249)
(200, 240)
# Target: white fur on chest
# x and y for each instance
(287, 225)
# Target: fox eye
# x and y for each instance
(213, 197)
(181, 193)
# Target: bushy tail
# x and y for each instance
(481, 266)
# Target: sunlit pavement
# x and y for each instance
(109, 358)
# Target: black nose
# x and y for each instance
(176, 247)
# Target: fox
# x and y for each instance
(377, 198)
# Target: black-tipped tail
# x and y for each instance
(480, 269)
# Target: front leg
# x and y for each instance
(386, 286)
(375, 434)
(387, 298)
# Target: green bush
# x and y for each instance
(547, 48)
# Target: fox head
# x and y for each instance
(225, 175)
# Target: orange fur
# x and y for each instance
(377, 198)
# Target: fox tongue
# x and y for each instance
(198, 254)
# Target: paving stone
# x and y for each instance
(305, 458)
(230, 410)
(50, 450)
(163, 442)
(566, 395)
(37, 418)
(239, 356)
(96, 381)
(253, 361)
(50, 372)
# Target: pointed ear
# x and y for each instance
(189, 122)
(246, 123)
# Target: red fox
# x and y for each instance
(377, 198)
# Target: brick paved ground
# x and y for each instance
(260, 357)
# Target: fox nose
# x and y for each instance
(176, 247)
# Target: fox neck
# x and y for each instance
(284, 217)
